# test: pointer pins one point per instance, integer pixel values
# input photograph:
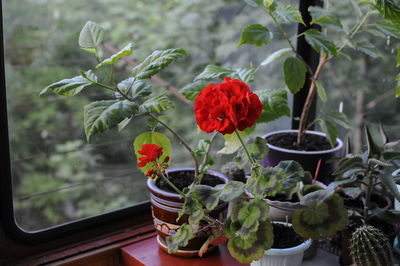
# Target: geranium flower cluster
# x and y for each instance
(151, 153)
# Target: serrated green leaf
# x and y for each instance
(214, 72)
(124, 123)
(275, 55)
(316, 221)
(206, 195)
(127, 50)
(70, 87)
(292, 170)
(368, 49)
(389, 28)
(193, 89)
(256, 34)
(294, 71)
(152, 138)
(134, 88)
(155, 104)
(193, 209)
(245, 74)
(319, 42)
(340, 119)
(288, 14)
(232, 143)
(180, 239)
(253, 3)
(389, 9)
(157, 61)
(330, 129)
(275, 105)
(91, 36)
(102, 115)
(321, 17)
(231, 191)
(321, 91)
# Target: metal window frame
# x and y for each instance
(7, 219)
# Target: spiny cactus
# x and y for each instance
(370, 247)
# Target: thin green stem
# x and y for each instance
(251, 159)
(182, 141)
(101, 84)
(172, 185)
(205, 159)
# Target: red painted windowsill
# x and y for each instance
(147, 252)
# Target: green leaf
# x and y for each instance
(193, 209)
(389, 28)
(292, 170)
(390, 155)
(245, 74)
(275, 105)
(322, 219)
(157, 61)
(267, 182)
(70, 87)
(352, 192)
(320, 16)
(398, 86)
(127, 50)
(180, 239)
(91, 36)
(321, 91)
(275, 55)
(398, 56)
(294, 71)
(124, 123)
(320, 42)
(193, 89)
(206, 195)
(330, 129)
(259, 149)
(155, 104)
(134, 88)
(253, 3)
(389, 183)
(368, 49)
(268, 3)
(340, 119)
(256, 34)
(231, 190)
(232, 143)
(288, 14)
(389, 9)
(214, 72)
(152, 138)
(348, 163)
(374, 151)
(102, 115)
(246, 250)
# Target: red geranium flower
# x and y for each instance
(151, 153)
(227, 106)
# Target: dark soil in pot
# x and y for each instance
(285, 237)
(288, 141)
(182, 179)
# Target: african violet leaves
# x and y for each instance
(324, 216)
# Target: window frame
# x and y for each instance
(140, 212)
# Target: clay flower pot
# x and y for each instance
(307, 159)
(165, 209)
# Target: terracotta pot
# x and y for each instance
(165, 209)
(307, 159)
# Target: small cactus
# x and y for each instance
(370, 247)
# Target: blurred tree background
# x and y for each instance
(59, 177)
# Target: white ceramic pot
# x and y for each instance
(283, 257)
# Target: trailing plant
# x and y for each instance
(369, 246)
(228, 107)
(295, 69)
(358, 176)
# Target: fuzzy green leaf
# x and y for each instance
(70, 87)
(91, 36)
(214, 72)
(288, 14)
(102, 115)
(266, 183)
(256, 34)
(157, 61)
(330, 129)
(152, 138)
(259, 149)
(275, 105)
(231, 191)
(321, 91)
(155, 104)
(294, 71)
(206, 195)
(320, 42)
(180, 239)
(321, 220)
(275, 55)
(127, 50)
(291, 169)
(246, 250)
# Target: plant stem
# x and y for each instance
(172, 185)
(205, 158)
(309, 100)
(182, 141)
(101, 84)
(251, 159)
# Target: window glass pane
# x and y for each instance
(363, 78)
(58, 177)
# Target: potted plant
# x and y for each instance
(192, 200)
(365, 181)
(306, 147)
